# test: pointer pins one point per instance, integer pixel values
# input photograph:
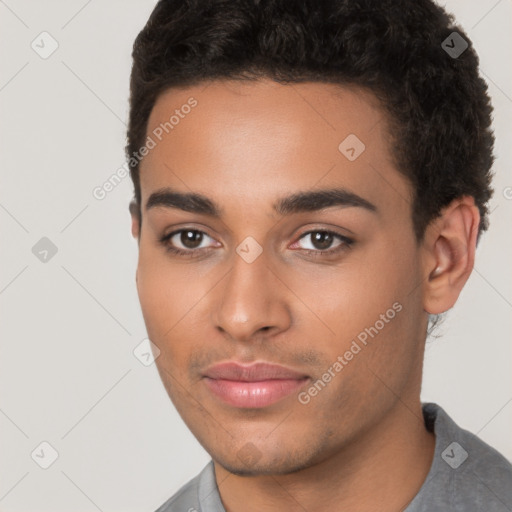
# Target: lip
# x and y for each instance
(252, 386)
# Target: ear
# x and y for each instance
(449, 248)
(136, 219)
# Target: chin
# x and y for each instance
(284, 464)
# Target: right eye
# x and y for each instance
(189, 239)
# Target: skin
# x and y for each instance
(360, 443)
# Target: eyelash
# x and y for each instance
(191, 253)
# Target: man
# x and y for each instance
(311, 179)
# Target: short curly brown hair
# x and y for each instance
(437, 103)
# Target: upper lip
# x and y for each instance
(251, 373)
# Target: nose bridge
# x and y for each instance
(251, 299)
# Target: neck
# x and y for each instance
(381, 470)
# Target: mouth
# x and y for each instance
(252, 386)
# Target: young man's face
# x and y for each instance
(246, 146)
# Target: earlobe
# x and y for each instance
(450, 243)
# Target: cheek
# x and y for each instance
(166, 302)
(167, 293)
(389, 308)
(352, 295)
(374, 297)
(155, 295)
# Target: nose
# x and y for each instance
(251, 301)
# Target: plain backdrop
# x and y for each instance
(70, 324)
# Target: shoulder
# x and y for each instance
(466, 450)
(466, 474)
(486, 474)
(186, 499)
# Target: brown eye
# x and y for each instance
(186, 242)
(322, 241)
(189, 238)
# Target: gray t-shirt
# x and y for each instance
(466, 475)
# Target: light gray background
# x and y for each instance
(69, 326)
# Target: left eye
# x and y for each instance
(321, 241)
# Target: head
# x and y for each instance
(328, 165)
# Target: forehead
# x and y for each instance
(253, 141)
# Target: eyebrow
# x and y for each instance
(304, 201)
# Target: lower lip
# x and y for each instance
(253, 394)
